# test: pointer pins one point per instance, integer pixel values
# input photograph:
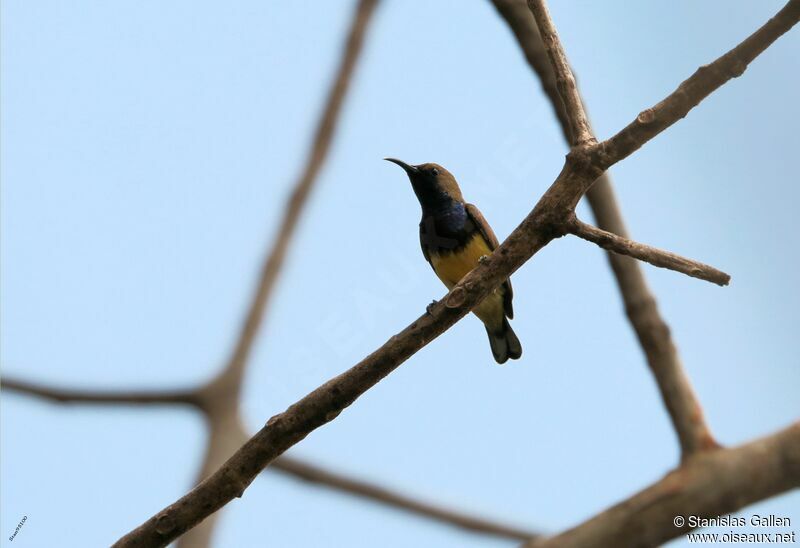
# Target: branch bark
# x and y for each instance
(546, 222)
(650, 327)
(708, 485)
(654, 256)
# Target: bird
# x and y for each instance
(454, 236)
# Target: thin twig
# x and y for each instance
(546, 222)
(315, 474)
(123, 397)
(709, 485)
(654, 256)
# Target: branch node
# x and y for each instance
(165, 523)
(647, 116)
(332, 415)
(456, 297)
(737, 68)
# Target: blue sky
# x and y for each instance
(148, 147)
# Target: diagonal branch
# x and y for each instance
(652, 331)
(546, 222)
(652, 121)
(711, 484)
(654, 256)
(315, 474)
(650, 327)
(124, 397)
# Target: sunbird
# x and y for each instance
(454, 236)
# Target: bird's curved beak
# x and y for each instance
(408, 168)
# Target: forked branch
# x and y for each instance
(325, 403)
(651, 329)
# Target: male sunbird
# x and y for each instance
(454, 236)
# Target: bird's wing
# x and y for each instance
(488, 235)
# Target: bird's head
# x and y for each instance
(432, 183)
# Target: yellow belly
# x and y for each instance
(451, 267)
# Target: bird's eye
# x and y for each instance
(434, 172)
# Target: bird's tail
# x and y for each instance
(504, 343)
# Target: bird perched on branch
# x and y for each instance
(454, 236)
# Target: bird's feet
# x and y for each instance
(429, 308)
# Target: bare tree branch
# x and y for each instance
(707, 485)
(123, 397)
(652, 255)
(650, 327)
(547, 221)
(312, 473)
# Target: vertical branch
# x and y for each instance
(221, 396)
(641, 308)
(580, 132)
(225, 435)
